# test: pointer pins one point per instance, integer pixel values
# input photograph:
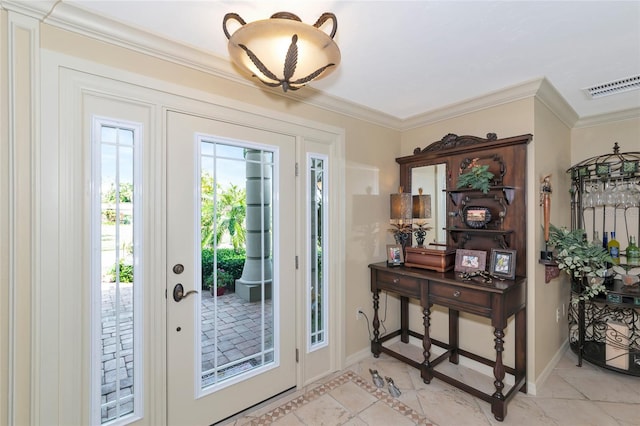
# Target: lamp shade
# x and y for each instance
(282, 50)
(400, 206)
(421, 206)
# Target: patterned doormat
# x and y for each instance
(349, 376)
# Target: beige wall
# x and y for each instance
(551, 151)
(511, 119)
(4, 221)
(591, 141)
(17, 233)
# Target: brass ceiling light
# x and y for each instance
(284, 44)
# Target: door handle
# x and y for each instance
(179, 294)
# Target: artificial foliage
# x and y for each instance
(584, 261)
(475, 176)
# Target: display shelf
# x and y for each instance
(457, 195)
(461, 235)
(475, 220)
(600, 185)
(605, 330)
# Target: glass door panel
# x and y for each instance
(231, 312)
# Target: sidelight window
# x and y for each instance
(116, 284)
(317, 288)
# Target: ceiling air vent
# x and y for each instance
(613, 87)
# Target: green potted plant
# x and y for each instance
(585, 262)
(475, 176)
(224, 280)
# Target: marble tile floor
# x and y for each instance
(571, 396)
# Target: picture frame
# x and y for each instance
(476, 216)
(503, 263)
(470, 260)
(395, 256)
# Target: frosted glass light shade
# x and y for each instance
(282, 50)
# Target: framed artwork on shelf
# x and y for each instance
(470, 260)
(395, 257)
(476, 217)
(503, 263)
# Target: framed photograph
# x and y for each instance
(476, 217)
(470, 260)
(503, 263)
(395, 256)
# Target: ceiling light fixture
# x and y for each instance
(302, 52)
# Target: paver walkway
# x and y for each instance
(239, 335)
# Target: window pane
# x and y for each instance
(125, 136)
(236, 260)
(317, 287)
(116, 279)
(108, 134)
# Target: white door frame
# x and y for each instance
(61, 333)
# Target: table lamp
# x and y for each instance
(421, 211)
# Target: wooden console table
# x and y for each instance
(497, 301)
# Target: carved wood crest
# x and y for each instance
(454, 141)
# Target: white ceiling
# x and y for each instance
(406, 58)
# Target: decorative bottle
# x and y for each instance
(614, 249)
(633, 252)
(596, 238)
(605, 241)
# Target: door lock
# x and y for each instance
(179, 294)
(178, 268)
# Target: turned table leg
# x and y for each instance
(425, 370)
(375, 343)
(498, 406)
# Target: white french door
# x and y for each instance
(227, 352)
(185, 371)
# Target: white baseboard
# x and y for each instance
(357, 357)
(532, 387)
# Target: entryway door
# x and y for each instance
(227, 352)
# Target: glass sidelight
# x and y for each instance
(317, 288)
(116, 285)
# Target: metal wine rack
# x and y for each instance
(604, 190)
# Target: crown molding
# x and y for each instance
(75, 19)
(539, 88)
(80, 21)
(550, 97)
(33, 9)
(596, 120)
(499, 97)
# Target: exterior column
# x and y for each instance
(258, 265)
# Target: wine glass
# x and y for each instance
(600, 195)
(588, 201)
(611, 194)
(632, 195)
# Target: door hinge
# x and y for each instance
(297, 170)
(296, 262)
(297, 355)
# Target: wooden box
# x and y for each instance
(436, 258)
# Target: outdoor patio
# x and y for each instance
(239, 335)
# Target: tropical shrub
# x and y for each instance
(229, 261)
(126, 272)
